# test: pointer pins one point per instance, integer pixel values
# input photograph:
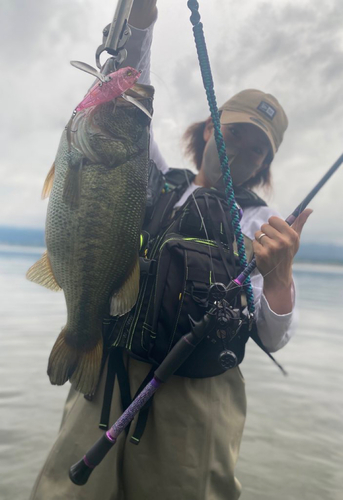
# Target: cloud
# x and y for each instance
(29, 30)
(292, 49)
(292, 46)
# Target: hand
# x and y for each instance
(274, 254)
(143, 13)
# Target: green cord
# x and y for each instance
(211, 98)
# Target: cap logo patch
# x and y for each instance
(267, 109)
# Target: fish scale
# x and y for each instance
(97, 229)
(93, 248)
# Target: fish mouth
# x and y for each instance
(85, 124)
(82, 126)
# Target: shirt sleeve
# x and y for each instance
(138, 56)
(275, 330)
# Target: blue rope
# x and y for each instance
(211, 98)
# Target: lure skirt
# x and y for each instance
(188, 450)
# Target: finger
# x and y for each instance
(270, 233)
(279, 224)
(259, 236)
(257, 247)
(300, 221)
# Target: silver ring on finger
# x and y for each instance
(260, 237)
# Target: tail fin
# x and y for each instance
(82, 368)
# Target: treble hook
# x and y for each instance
(89, 69)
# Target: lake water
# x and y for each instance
(293, 441)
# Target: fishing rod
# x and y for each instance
(290, 220)
(80, 472)
(244, 277)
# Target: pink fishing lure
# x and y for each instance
(117, 83)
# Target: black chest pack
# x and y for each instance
(183, 253)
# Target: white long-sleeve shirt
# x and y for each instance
(275, 330)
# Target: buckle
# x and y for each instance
(147, 267)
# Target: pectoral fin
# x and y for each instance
(42, 274)
(124, 300)
(72, 185)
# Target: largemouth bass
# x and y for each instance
(93, 225)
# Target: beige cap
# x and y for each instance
(260, 109)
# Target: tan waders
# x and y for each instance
(188, 450)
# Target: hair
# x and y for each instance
(194, 145)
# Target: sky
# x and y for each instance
(291, 49)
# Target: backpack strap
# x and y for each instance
(247, 198)
(219, 243)
(244, 197)
(178, 176)
(228, 231)
(115, 367)
(175, 183)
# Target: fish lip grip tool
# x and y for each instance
(115, 36)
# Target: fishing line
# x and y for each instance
(166, 86)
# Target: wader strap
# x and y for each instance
(115, 367)
(144, 413)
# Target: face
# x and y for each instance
(247, 148)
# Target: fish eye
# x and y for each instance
(129, 73)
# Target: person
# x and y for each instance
(193, 433)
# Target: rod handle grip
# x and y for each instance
(180, 352)
(80, 472)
